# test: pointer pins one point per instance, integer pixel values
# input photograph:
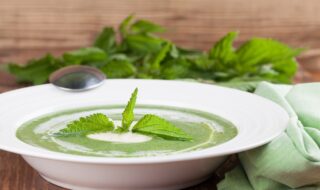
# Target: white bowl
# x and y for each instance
(258, 121)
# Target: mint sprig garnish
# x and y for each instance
(157, 126)
(97, 122)
(127, 114)
(149, 124)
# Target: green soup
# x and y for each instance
(207, 130)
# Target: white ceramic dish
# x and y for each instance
(258, 121)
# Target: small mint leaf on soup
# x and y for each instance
(156, 126)
(127, 114)
(85, 125)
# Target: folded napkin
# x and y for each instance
(292, 160)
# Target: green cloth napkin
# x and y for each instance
(292, 160)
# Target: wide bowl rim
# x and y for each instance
(194, 155)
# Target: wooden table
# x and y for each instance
(31, 28)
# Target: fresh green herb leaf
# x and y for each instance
(159, 57)
(259, 51)
(36, 71)
(157, 126)
(127, 114)
(203, 62)
(188, 53)
(85, 125)
(284, 69)
(174, 52)
(145, 27)
(125, 25)
(143, 54)
(143, 44)
(106, 40)
(84, 55)
(149, 124)
(119, 69)
(266, 59)
(176, 68)
(223, 50)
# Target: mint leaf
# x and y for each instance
(157, 126)
(140, 53)
(125, 25)
(260, 51)
(266, 59)
(160, 56)
(223, 50)
(203, 62)
(36, 71)
(144, 27)
(140, 27)
(285, 70)
(176, 68)
(127, 114)
(84, 55)
(119, 69)
(91, 124)
(174, 52)
(141, 44)
(106, 40)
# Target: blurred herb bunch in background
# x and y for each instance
(141, 53)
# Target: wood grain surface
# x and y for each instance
(31, 28)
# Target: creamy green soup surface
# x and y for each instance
(207, 130)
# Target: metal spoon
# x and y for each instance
(77, 78)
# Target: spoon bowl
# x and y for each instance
(77, 78)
